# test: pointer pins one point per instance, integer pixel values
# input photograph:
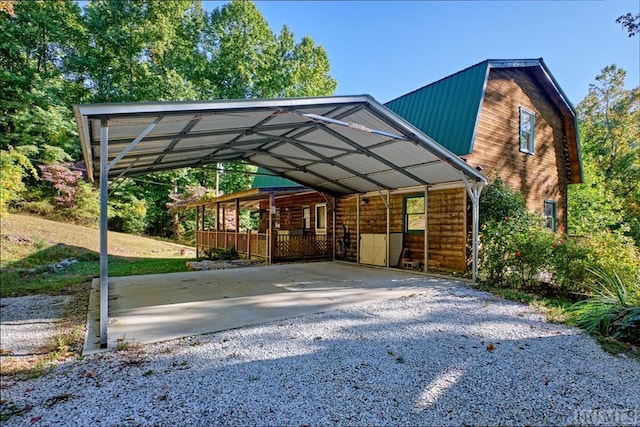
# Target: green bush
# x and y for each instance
(570, 260)
(498, 201)
(128, 216)
(613, 307)
(516, 252)
(216, 254)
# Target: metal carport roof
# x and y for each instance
(336, 145)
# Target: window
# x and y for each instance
(321, 219)
(414, 215)
(276, 218)
(550, 208)
(306, 217)
(527, 131)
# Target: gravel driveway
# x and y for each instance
(438, 356)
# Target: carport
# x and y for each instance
(335, 145)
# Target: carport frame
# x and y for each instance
(344, 108)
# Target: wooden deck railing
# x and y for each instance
(256, 245)
(296, 247)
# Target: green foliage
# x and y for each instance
(74, 199)
(216, 254)
(55, 53)
(498, 201)
(13, 166)
(128, 216)
(610, 131)
(613, 307)
(516, 251)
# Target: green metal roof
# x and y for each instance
(265, 179)
(447, 110)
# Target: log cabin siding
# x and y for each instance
(447, 224)
(541, 176)
(291, 211)
(446, 219)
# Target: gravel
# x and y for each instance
(439, 356)
(29, 323)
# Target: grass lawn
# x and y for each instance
(30, 245)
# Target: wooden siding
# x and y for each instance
(446, 222)
(291, 211)
(541, 176)
(447, 229)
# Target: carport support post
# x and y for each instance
(104, 259)
(333, 219)
(426, 229)
(272, 210)
(474, 189)
(237, 222)
(357, 228)
(388, 226)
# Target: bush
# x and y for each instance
(516, 252)
(613, 308)
(128, 216)
(215, 254)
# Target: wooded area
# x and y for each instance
(55, 54)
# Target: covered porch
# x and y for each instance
(266, 223)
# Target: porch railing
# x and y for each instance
(256, 245)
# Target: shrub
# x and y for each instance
(569, 262)
(613, 307)
(215, 254)
(516, 251)
(499, 201)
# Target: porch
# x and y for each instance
(273, 224)
(252, 244)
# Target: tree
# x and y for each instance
(246, 60)
(630, 22)
(36, 123)
(610, 134)
(136, 50)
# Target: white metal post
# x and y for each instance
(333, 210)
(357, 228)
(388, 226)
(104, 257)
(426, 229)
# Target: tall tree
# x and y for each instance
(610, 134)
(247, 60)
(136, 50)
(36, 123)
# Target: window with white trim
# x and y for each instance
(414, 215)
(306, 217)
(321, 218)
(527, 131)
(550, 214)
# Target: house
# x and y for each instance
(507, 118)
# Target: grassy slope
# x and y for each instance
(29, 244)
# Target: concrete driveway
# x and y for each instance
(152, 308)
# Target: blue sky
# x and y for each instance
(388, 48)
